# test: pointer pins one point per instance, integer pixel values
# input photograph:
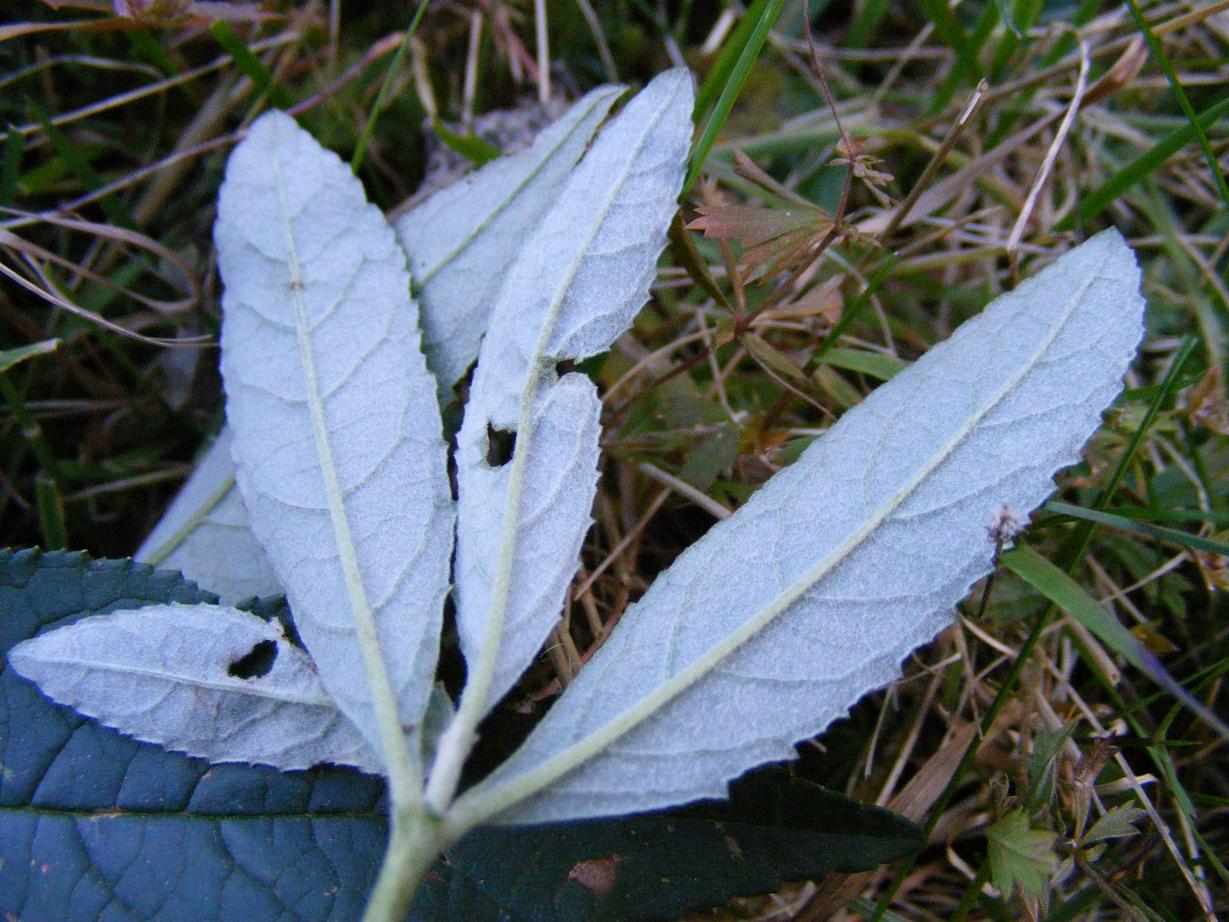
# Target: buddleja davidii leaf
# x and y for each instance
(556, 496)
(338, 441)
(842, 563)
(205, 533)
(213, 682)
(663, 865)
(56, 760)
(462, 240)
(95, 822)
(581, 279)
(122, 865)
(460, 244)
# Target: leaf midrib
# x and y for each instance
(480, 805)
(190, 681)
(384, 702)
(198, 517)
(503, 206)
(510, 527)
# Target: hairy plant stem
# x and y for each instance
(414, 841)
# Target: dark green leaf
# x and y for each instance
(96, 825)
(659, 866)
(1042, 766)
(1118, 823)
(1020, 855)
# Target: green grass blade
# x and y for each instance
(48, 499)
(869, 15)
(1142, 166)
(966, 70)
(741, 69)
(1072, 598)
(717, 78)
(80, 167)
(947, 27)
(1008, 16)
(360, 147)
(1140, 528)
(1162, 60)
(50, 504)
(10, 357)
(851, 313)
(262, 78)
(10, 166)
(1168, 385)
(1173, 515)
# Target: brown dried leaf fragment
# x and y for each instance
(773, 239)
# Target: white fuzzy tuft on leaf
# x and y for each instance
(579, 282)
(784, 615)
(337, 435)
(166, 674)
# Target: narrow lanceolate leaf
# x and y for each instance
(462, 240)
(337, 432)
(578, 284)
(156, 673)
(782, 616)
(206, 536)
(460, 244)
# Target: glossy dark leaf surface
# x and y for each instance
(94, 825)
(660, 865)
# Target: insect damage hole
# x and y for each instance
(255, 663)
(500, 445)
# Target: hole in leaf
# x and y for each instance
(500, 444)
(255, 663)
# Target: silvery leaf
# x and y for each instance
(782, 616)
(460, 244)
(581, 278)
(462, 240)
(337, 436)
(205, 534)
(174, 675)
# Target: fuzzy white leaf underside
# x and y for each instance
(781, 617)
(460, 244)
(463, 239)
(162, 675)
(556, 500)
(337, 436)
(579, 282)
(205, 533)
